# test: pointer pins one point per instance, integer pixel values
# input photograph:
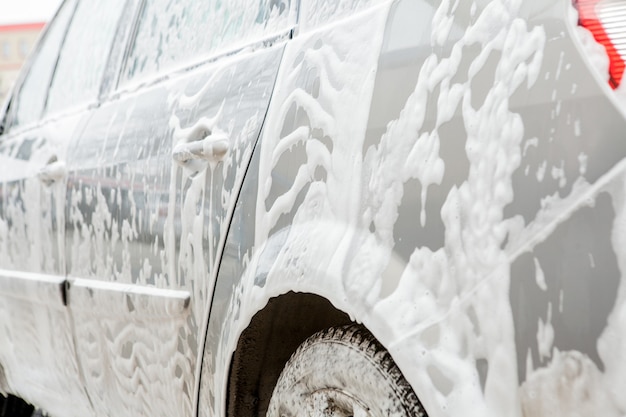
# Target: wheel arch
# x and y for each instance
(305, 276)
(265, 346)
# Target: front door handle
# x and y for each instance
(213, 148)
(53, 171)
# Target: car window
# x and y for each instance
(85, 53)
(176, 32)
(31, 98)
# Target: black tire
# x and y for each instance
(343, 371)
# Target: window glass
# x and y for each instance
(32, 94)
(85, 54)
(175, 32)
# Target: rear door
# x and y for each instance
(152, 184)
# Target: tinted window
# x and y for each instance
(175, 32)
(31, 98)
(85, 53)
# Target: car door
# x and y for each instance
(152, 183)
(37, 357)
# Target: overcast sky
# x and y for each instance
(26, 11)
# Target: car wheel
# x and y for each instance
(343, 371)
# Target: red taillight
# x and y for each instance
(606, 19)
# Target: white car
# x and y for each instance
(317, 207)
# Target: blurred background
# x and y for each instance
(21, 22)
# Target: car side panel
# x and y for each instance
(473, 220)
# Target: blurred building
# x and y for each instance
(16, 42)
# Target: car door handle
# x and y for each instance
(213, 148)
(52, 172)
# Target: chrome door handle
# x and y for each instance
(213, 148)
(52, 172)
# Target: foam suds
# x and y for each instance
(458, 313)
(444, 312)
